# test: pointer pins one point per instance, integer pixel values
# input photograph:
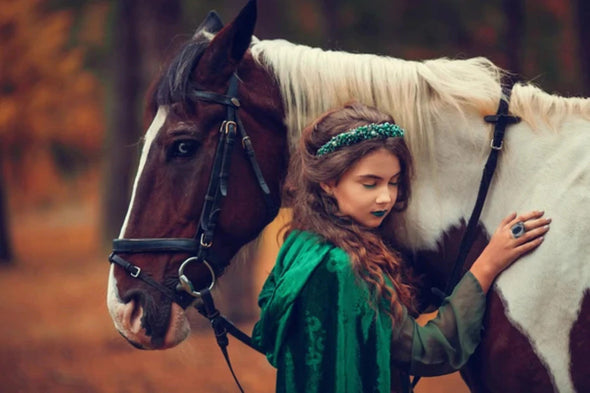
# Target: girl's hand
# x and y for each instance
(504, 248)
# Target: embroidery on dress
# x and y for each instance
(313, 356)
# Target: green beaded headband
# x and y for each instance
(359, 134)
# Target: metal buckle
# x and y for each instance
(136, 273)
(496, 147)
(202, 241)
(226, 127)
(245, 140)
(186, 284)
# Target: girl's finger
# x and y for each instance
(532, 234)
(527, 216)
(508, 219)
(529, 246)
(539, 222)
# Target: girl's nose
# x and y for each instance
(384, 196)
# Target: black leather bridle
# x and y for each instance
(199, 247)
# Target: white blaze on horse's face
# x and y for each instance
(127, 316)
(149, 137)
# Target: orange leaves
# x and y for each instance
(43, 81)
(47, 97)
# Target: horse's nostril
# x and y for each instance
(136, 311)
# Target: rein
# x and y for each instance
(501, 120)
(199, 247)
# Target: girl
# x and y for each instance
(336, 308)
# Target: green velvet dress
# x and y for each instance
(320, 330)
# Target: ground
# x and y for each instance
(56, 335)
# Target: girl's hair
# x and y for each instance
(316, 211)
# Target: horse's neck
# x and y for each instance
(446, 180)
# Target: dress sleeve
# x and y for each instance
(445, 343)
(337, 342)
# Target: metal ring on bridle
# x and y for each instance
(186, 284)
(203, 243)
(517, 230)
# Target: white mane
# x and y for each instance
(416, 94)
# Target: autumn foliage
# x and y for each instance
(51, 115)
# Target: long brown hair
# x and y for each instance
(316, 211)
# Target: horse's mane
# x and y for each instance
(416, 94)
(536, 106)
(175, 82)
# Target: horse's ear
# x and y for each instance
(211, 24)
(227, 48)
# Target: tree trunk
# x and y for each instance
(270, 18)
(124, 126)
(5, 244)
(515, 27)
(583, 17)
(331, 19)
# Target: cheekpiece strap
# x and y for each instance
(359, 134)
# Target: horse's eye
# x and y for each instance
(183, 148)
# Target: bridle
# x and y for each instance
(198, 248)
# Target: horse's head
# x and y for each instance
(198, 196)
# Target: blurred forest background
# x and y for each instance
(73, 75)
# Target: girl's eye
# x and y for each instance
(183, 148)
(394, 184)
(369, 186)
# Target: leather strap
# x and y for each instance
(221, 327)
(501, 120)
(136, 272)
(134, 246)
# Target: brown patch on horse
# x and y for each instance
(579, 344)
(433, 267)
(504, 360)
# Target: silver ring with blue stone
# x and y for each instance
(517, 230)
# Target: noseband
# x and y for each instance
(199, 247)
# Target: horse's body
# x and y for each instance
(538, 319)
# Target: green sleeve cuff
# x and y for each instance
(445, 343)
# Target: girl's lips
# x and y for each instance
(379, 213)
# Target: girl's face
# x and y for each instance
(368, 190)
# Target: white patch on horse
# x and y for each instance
(540, 169)
(542, 293)
(113, 299)
(149, 137)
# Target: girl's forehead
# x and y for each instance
(380, 163)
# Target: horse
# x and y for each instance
(224, 82)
